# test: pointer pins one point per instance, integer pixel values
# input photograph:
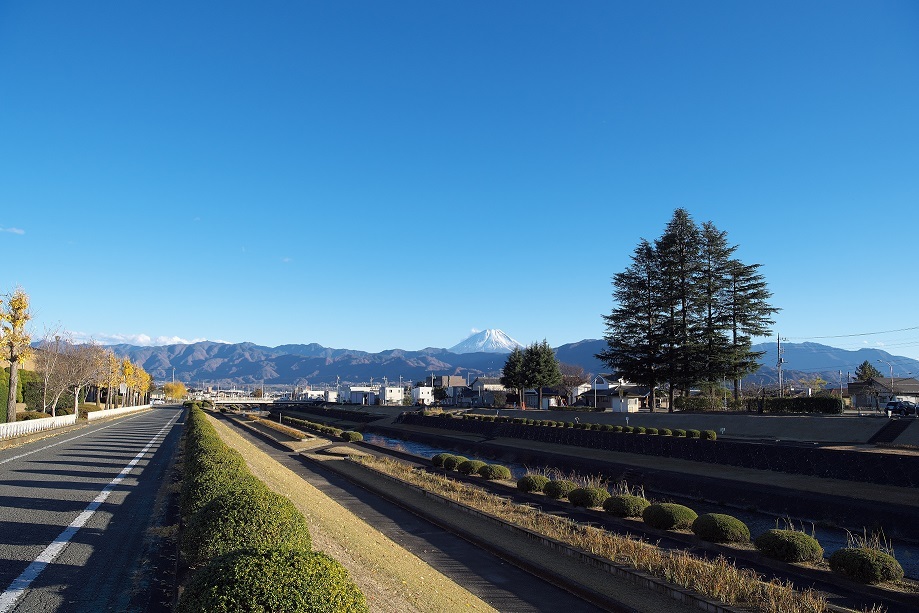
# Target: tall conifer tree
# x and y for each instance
(633, 330)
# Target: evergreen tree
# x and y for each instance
(633, 330)
(866, 371)
(513, 375)
(750, 316)
(541, 367)
(715, 350)
(678, 255)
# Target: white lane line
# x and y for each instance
(22, 455)
(22, 582)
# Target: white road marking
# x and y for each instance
(22, 455)
(22, 582)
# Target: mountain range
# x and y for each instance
(246, 363)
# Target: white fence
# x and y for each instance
(94, 415)
(21, 428)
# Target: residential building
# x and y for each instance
(877, 392)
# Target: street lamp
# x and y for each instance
(893, 393)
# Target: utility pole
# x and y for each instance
(781, 360)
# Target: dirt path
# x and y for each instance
(393, 579)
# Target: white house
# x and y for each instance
(363, 394)
(391, 394)
(423, 395)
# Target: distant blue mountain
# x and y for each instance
(247, 363)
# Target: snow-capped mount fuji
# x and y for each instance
(486, 341)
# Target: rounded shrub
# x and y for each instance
(351, 436)
(607, 428)
(470, 467)
(495, 472)
(254, 518)
(532, 483)
(625, 505)
(438, 460)
(451, 462)
(679, 432)
(789, 546)
(693, 434)
(708, 435)
(588, 497)
(866, 565)
(569, 424)
(668, 516)
(665, 432)
(628, 429)
(559, 488)
(278, 579)
(650, 430)
(640, 430)
(617, 428)
(720, 528)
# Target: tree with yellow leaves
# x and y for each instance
(175, 390)
(15, 341)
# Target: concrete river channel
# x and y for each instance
(830, 538)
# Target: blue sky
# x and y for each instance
(376, 175)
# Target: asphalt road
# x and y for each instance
(75, 511)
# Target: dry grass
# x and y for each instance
(717, 579)
(393, 579)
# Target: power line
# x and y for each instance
(807, 338)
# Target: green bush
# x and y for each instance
(470, 467)
(569, 424)
(708, 435)
(693, 434)
(866, 565)
(351, 436)
(278, 579)
(30, 415)
(679, 432)
(85, 409)
(213, 475)
(625, 505)
(532, 483)
(495, 472)
(617, 428)
(438, 460)
(628, 429)
(607, 428)
(588, 497)
(640, 430)
(253, 518)
(826, 405)
(720, 528)
(789, 546)
(665, 432)
(668, 516)
(650, 430)
(451, 462)
(559, 488)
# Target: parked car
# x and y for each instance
(901, 408)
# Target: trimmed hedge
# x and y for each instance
(625, 505)
(709, 435)
(438, 460)
(789, 546)
(668, 516)
(679, 432)
(278, 579)
(720, 528)
(814, 404)
(693, 434)
(253, 518)
(351, 436)
(451, 462)
(588, 497)
(866, 565)
(495, 472)
(532, 483)
(665, 432)
(470, 467)
(559, 488)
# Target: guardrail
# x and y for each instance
(30, 426)
(94, 415)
